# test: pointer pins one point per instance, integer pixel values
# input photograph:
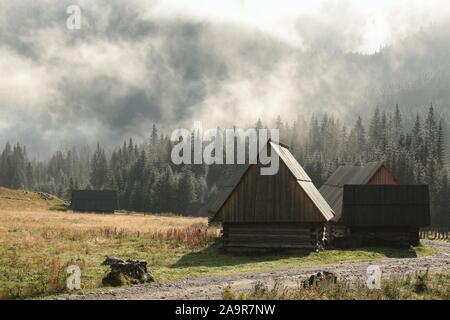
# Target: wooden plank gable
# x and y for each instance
(277, 198)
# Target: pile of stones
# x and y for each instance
(126, 272)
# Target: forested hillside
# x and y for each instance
(147, 180)
(415, 154)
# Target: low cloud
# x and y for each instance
(136, 63)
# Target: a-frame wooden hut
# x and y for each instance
(282, 211)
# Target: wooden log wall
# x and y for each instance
(345, 237)
(395, 237)
(334, 231)
(251, 237)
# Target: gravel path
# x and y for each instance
(212, 287)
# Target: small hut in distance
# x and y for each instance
(260, 213)
(104, 201)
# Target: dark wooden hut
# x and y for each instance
(371, 208)
(260, 213)
(94, 201)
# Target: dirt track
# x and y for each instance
(212, 287)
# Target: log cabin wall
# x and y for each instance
(379, 236)
(262, 213)
(263, 237)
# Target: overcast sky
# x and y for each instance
(375, 23)
(137, 62)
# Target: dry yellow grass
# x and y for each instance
(84, 222)
(25, 229)
(33, 214)
(36, 246)
(27, 201)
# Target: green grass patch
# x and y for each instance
(210, 261)
(411, 287)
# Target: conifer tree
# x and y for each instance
(99, 169)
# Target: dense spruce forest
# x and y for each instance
(147, 180)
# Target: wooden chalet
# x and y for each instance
(260, 213)
(94, 201)
(371, 208)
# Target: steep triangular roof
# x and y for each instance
(333, 188)
(295, 169)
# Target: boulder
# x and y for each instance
(45, 196)
(126, 272)
(109, 261)
(323, 277)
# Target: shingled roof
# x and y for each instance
(333, 188)
(302, 178)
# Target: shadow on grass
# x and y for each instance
(213, 257)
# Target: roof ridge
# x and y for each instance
(270, 140)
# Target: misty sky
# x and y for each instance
(371, 23)
(137, 62)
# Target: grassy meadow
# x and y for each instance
(37, 243)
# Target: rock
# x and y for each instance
(109, 261)
(45, 196)
(126, 272)
(322, 277)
